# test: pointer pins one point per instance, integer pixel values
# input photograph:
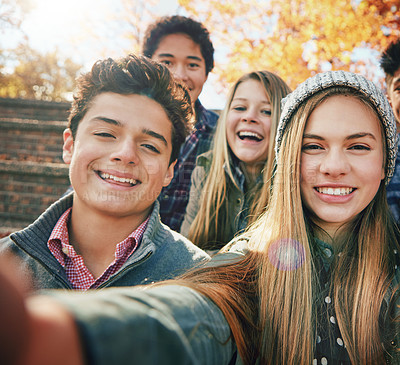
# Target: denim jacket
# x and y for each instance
(162, 253)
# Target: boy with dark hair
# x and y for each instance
(127, 123)
(184, 46)
(390, 63)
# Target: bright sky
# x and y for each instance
(64, 24)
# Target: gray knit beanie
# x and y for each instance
(329, 79)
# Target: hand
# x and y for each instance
(14, 328)
(34, 330)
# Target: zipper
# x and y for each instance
(123, 271)
(67, 284)
(46, 267)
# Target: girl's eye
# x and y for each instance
(361, 147)
(151, 148)
(266, 112)
(239, 108)
(193, 65)
(166, 62)
(310, 147)
(104, 134)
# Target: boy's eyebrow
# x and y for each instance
(172, 56)
(352, 136)
(194, 58)
(149, 132)
(155, 135)
(109, 121)
(165, 55)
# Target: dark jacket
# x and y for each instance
(162, 253)
(233, 217)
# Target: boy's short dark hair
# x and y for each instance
(136, 75)
(179, 24)
(390, 60)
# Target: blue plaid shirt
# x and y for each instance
(393, 190)
(174, 197)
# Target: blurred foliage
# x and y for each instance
(12, 12)
(297, 38)
(293, 38)
(136, 15)
(27, 73)
(38, 76)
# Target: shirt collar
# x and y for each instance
(59, 246)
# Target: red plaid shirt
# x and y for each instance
(77, 272)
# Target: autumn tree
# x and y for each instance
(125, 27)
(38, 76)
(295, 38)
(11, 15)
(389, 10)
(28, 73)
(12, 12)
(136, 16)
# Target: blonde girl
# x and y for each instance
(230, 185)
(313, 281)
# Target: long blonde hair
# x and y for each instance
(271, 309)
(208, 225)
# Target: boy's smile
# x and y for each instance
(119, 159)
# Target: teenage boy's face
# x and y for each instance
(184, 59)
(119, 159)
(394, 97)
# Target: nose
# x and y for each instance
(180, 72)
(250, 116)
(126, 153)
(335, 163)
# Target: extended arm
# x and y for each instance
(161, 325)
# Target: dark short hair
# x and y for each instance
(179, 24)
(390, 60)
(135, 75)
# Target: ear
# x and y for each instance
(169, 174)
(383, 174)
(68, 146)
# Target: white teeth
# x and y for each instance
(250, 134)
(335, 191)
(118, 179)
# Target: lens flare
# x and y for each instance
(286, 254)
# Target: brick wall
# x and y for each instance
(32, 174)
(33, 109)
(27, 189)
(31, 140)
